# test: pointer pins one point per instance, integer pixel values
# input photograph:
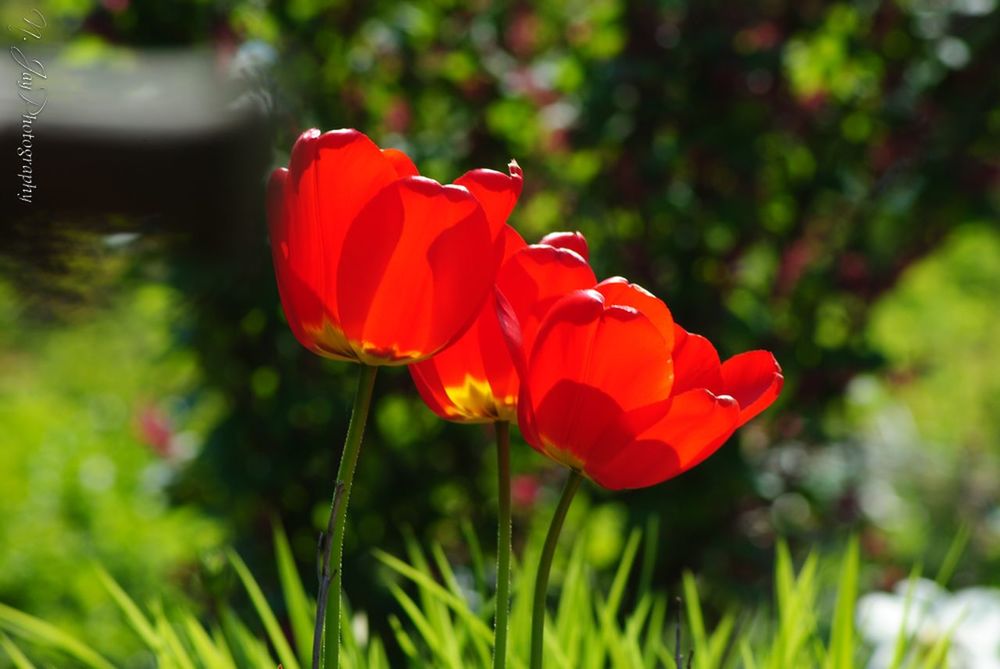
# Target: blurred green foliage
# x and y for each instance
(771, 169)
(929, 423)
(88, 455)
(939, 332)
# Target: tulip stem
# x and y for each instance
(545, 565)
(332, 541)
(503, 545)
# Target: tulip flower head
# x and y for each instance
(613, 388)
(375, 263)
(474, 380)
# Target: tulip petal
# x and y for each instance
(696, 425)
(417, 265)
(401, 163)
(592, 369)
(574, 241)
(304, 309)
(537, 276)
(430, 387)
(511, 241)
(754, 379)
(475, 379)
(497, 193)
(331, 176)
(618, 290)
(696, 363)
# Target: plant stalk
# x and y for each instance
(545, 566)
(503, 545)
(332, 541)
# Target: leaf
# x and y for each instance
(841, 653)
(954, 554)
(40, 632)
(19, 659)
(204, 646)
(274, 633)
(172, 644)
(248, 650)
(902, 640)
(433, 588)
(142, 626)
(301, 611)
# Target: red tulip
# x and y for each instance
(613, 388)
(474, 380)
(376, 264)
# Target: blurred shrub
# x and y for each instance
(930, 426)
(938, 331)
(97, 418)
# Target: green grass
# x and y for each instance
(620, 627)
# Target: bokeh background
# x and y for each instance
(821, 179)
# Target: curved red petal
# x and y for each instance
(417, 265)
(754, 379)
(618, 290)
(696, 363)
(497, 193)
(526, 420)
(431, 388)
(696, 425)
(534, 278)
(477, 376)
(574, 241)
(306, 311)
(474, 379)
(511, 241)
(331, 177)
(510, 329)
(592, 369)
(401, 163)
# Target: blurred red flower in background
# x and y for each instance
(474, 380)
(374, 263)
(613, 388)
(525, 489)
(155, 430)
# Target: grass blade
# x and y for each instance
(436, 590)
(15, 654)
(301, 610)
(36, 630)
(271, 626)
(139, 622)
(953, 555)
(841, 653)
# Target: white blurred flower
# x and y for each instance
(969, 618)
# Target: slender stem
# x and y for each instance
(503, 545)
(332, 542)
(545, 565)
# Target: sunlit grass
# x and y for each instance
(442, 623)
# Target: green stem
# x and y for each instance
(545, 565)
(503, 545)
(332, 544)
